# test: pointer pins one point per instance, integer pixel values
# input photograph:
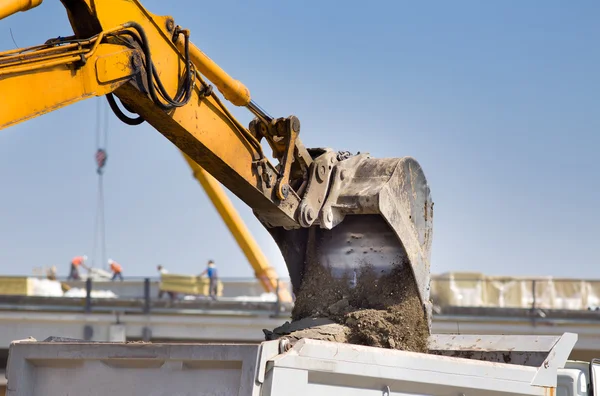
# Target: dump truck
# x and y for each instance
(456, 365)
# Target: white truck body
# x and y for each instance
(459, 365)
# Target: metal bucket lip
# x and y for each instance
(395, 189)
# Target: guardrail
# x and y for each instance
(449, 290)
(142, 295)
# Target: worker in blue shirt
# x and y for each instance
(211, 272)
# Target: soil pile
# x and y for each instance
(375, 311)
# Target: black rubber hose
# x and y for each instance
(119, 113)
(150, 72)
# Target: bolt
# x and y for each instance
(332, 160)
(170, 24)
(136, 61)
(321, 171)
(329, 217)
(285, 190)
(343, 174)
(296, 125)
(310, 214)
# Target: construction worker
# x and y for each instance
(211, 272)
(75, 264)
(162, 270)
(116, 269)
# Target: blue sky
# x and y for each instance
(498, 101)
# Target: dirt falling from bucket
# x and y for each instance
(378, 311)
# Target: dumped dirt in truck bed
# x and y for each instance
(384, 312)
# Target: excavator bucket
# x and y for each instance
(371, 248)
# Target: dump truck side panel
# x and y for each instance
(309, 367)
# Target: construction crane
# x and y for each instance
(335, 216)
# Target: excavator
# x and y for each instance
(332, 213)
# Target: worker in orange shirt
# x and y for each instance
(75, 264)
(116, 269)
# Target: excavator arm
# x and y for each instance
(336, 217)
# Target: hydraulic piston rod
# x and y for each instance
(9, 7)
(233, 90)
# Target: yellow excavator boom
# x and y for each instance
(347, 220)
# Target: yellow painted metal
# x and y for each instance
(264, 272)
(56, 84)
(15, 286)
(233, 90)
(9, 7)
(113, 66)
(188, 284)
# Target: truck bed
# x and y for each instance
(310, 367)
